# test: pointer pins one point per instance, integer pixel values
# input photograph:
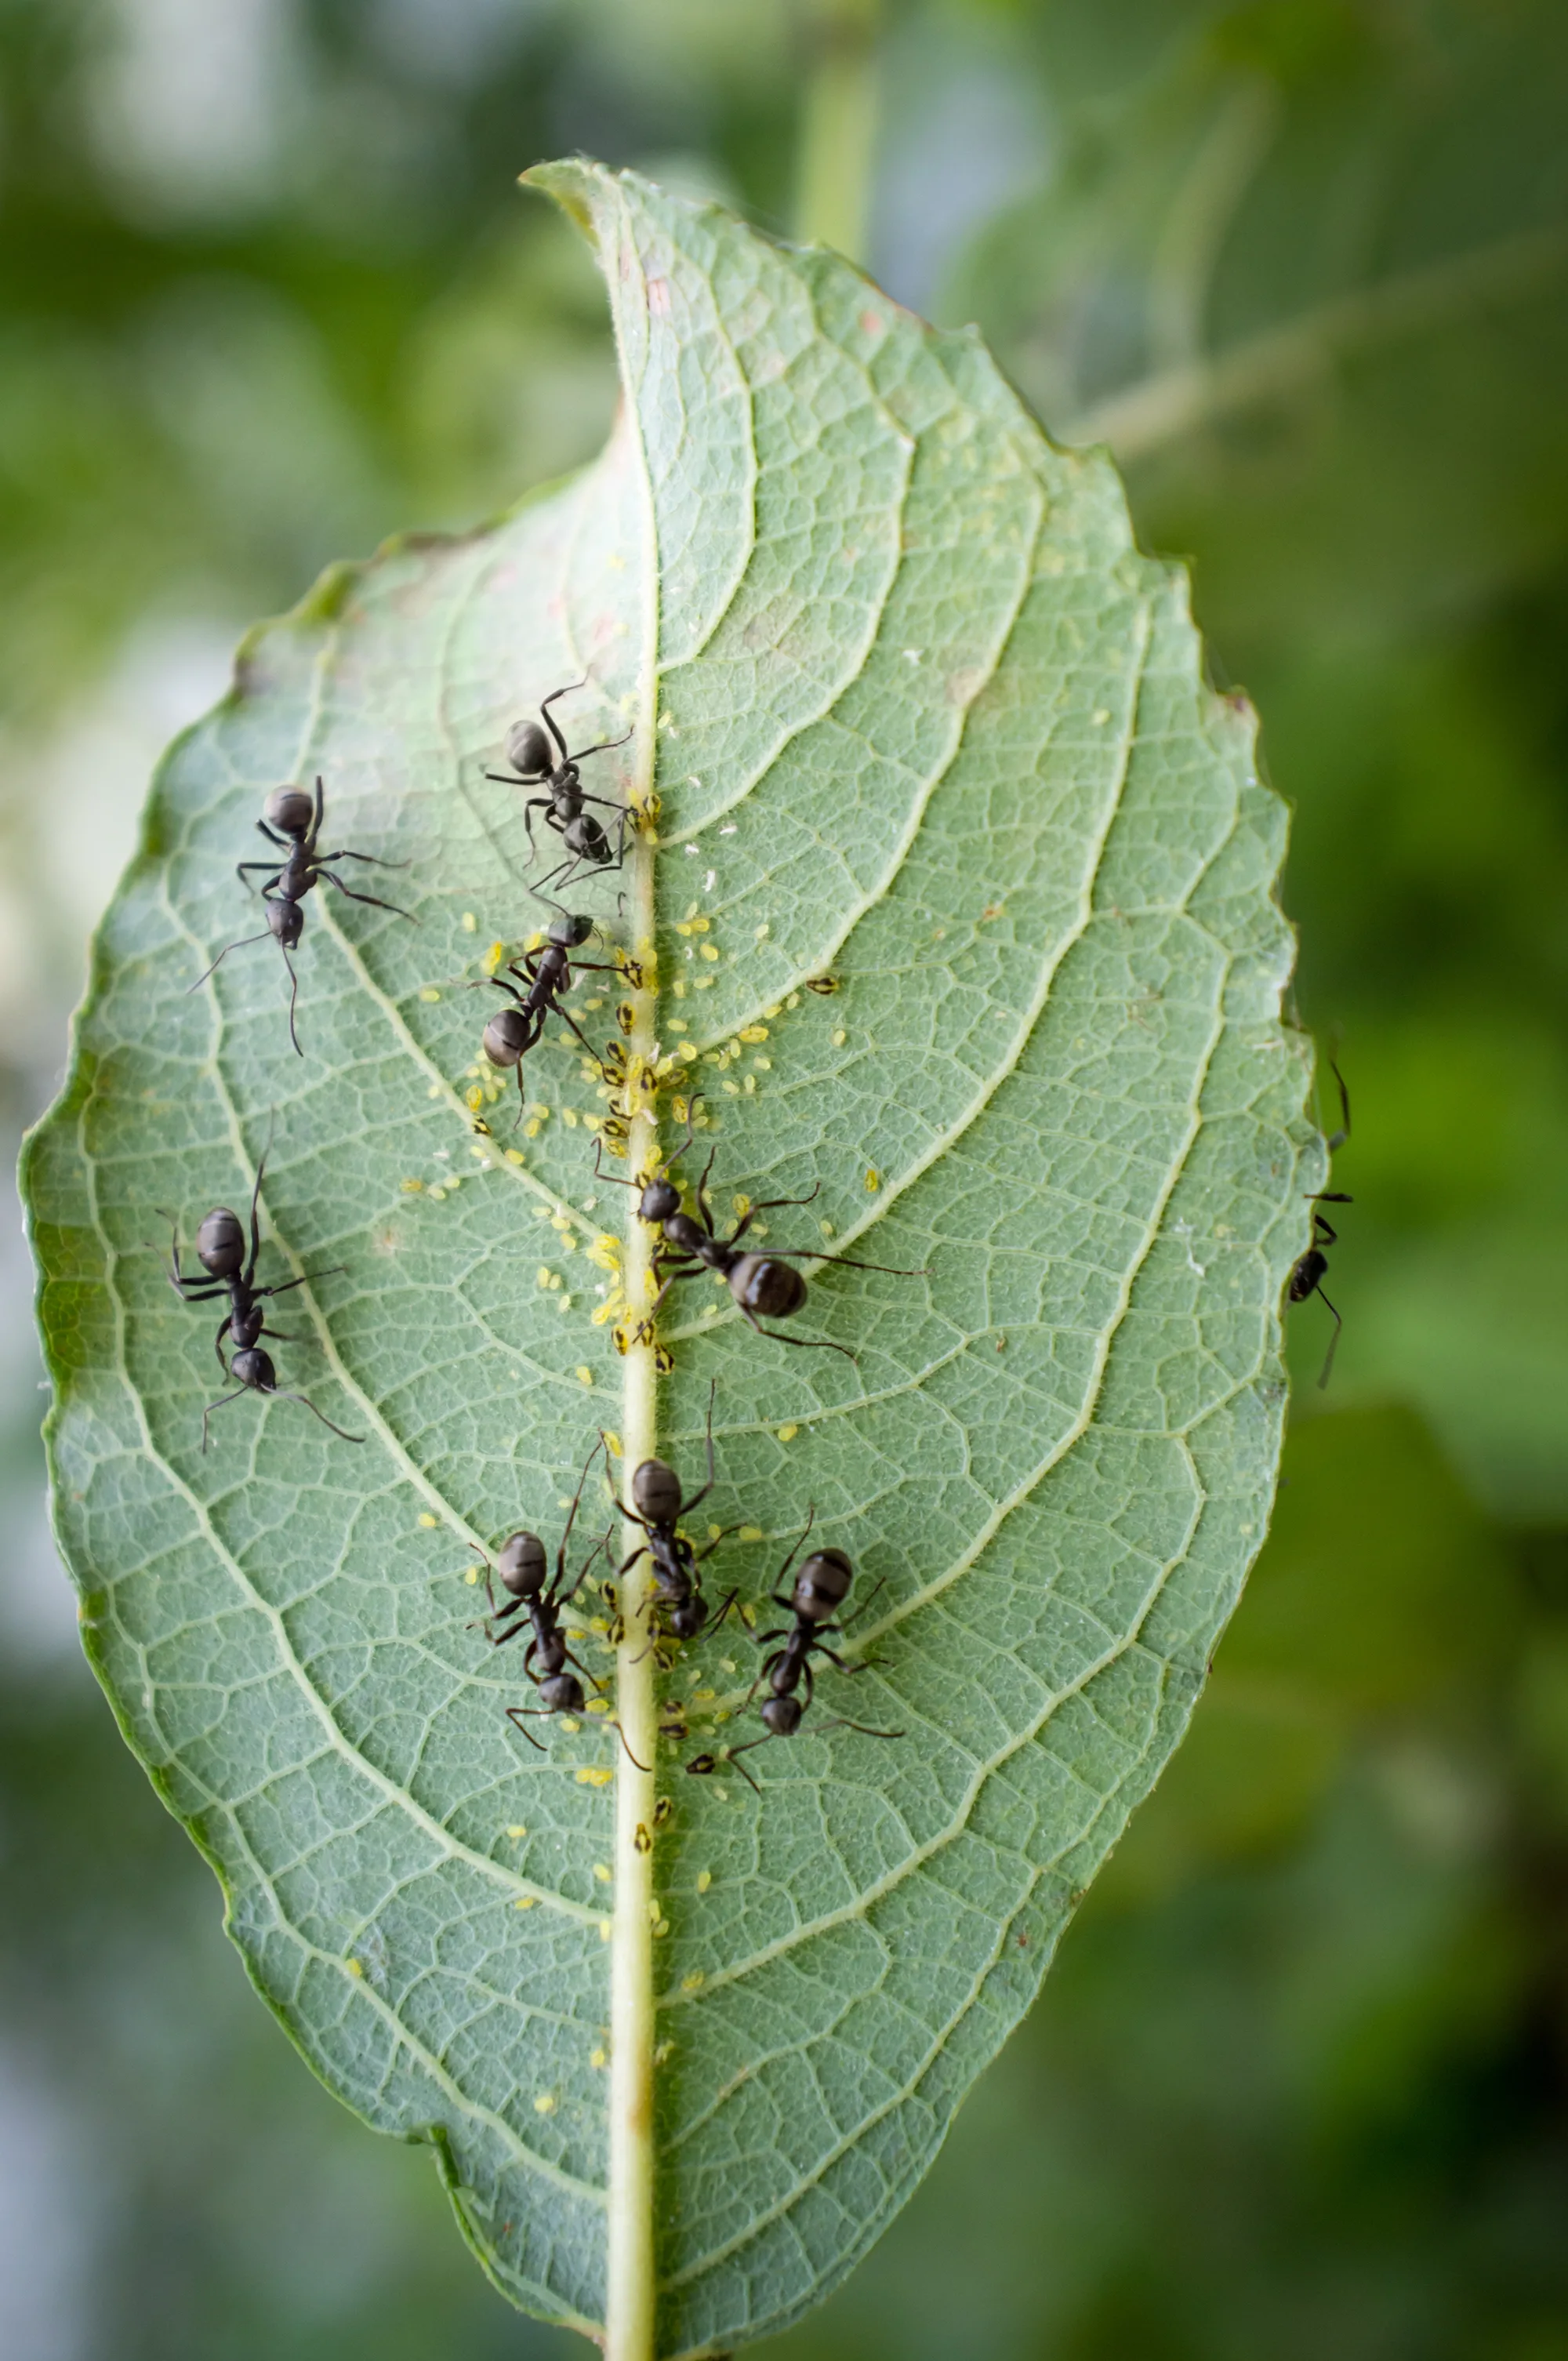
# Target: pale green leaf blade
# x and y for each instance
(919, 715)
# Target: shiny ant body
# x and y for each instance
(221, 1251)
(758, 1283)
(292, 820)
(678, 1607)
(512, 1032)
(1308, 1274)
(819, 1590)
(537, 762)
(534, 1605)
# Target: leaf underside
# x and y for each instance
(924, 719)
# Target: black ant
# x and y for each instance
(820, 1589)
(220, 1250)
(757, 1282)
(1307, 1278)
(658, 1505)
(534, 1605)
(534, 758)
(300, 819)
(512, 1032)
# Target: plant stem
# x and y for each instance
(630, 2292)
(837, 127)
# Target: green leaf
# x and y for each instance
(918, 715)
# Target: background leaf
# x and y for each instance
(921, 714)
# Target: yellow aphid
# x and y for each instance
(429, 992)
(873, 1182)
(524, 1902)
(753, 1032)
(603, 1871)
(597, 2058)
(514, 1156)
(355, 1967)
(590, 1775)
(612, 1441)
(704, 1880)
(583, 1374)
(749, 1533)
(695, 1982)
(604, 1923)
(474, 1098)
(706, 951)
(427, 1520)
(516, 1830)
(788, 1433)
(545, 2103)
(494, 958)
(413, 1188)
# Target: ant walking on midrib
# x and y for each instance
(758, 1283)
(220, 1250)
(547, 974)
(534, 759)
(1308, 1275)
(658, 1506)
(292, 811)
(820, 1589)
(535, 1605)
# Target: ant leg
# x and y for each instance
(568, 1018)
(218, 1343)
(567, 1531)
(518, 1714)
(630, 1756)
(224, 1399)
(278, 1395)
(814, 1344)
(255, 1202)
(794, 1551)
(374, 859)
(294, 1000)
(842, 1721)
(723, 1612)
(272, 838)
(303, 1280)
(319, 815)
(865, 1666)
(1342, 1134)
(810, 1254)
(768, 1206)
(284, 1335)
(1334, 1346)
(237, 946)
(706, 1209)
(373, 900)
(704, 1763)
(275, 879)
(605, 746)
(879, 1584)
(548, 719)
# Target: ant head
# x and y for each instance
(657, 1492)
(687, 1620)
(254, 1368)
(659, 1200)
(781, 1716)
(286, 921)
(528, 751)
(822, 1584)
(289, 810)
(505, 1037)
(562, 1693)
(773, 1289)
(220, 1242)
(569, 932)
(520, 1563)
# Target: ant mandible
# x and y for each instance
(820, 1589)
(534, 1606)
(1306, 1277)
(220, 1250)
(512, 1032)
(757, 1282)
(292, 811)
(534, 758)
(658, 1504)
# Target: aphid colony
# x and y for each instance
(674, 1611)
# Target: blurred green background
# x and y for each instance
(266, 292)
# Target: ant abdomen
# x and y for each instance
(760, 1284)
(528, 751)
(822, 1584)
(290, 809)
(220, 1242)
(656, 1490)
(521, 1564)
(506, 1036)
